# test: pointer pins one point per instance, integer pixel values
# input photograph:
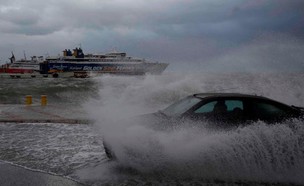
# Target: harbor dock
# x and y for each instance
(19, 113)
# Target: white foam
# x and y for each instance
(257, 153)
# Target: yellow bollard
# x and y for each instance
(28, 100)
(43, 100)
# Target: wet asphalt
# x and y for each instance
(11, 175)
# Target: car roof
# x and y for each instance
(230, 95)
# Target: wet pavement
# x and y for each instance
(11, 175)
(42, 114)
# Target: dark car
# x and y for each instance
(232, 108)
(222, 110)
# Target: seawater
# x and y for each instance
(190, 154)
(62, 90)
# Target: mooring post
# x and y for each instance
(43, 100)
(28, 99)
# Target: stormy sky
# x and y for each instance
(214, 34)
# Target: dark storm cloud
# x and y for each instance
(285, 16)
(181, 17)
(29, 18)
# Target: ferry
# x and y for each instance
(77, 64)
(21, 68)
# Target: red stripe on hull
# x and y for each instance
(16, 71)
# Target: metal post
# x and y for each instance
(28, 99)
(43, 100)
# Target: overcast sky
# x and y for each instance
(205, 32)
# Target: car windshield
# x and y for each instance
(180, 107)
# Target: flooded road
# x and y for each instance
(255, 154)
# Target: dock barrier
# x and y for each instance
(35, 113)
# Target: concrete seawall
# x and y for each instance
(42, 114)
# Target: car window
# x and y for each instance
(208, 107)
(231, 105)
(181, 106)
(221, 111)
(234, 104)
(268, 111)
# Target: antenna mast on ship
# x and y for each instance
(24, 55)
(12, 59)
